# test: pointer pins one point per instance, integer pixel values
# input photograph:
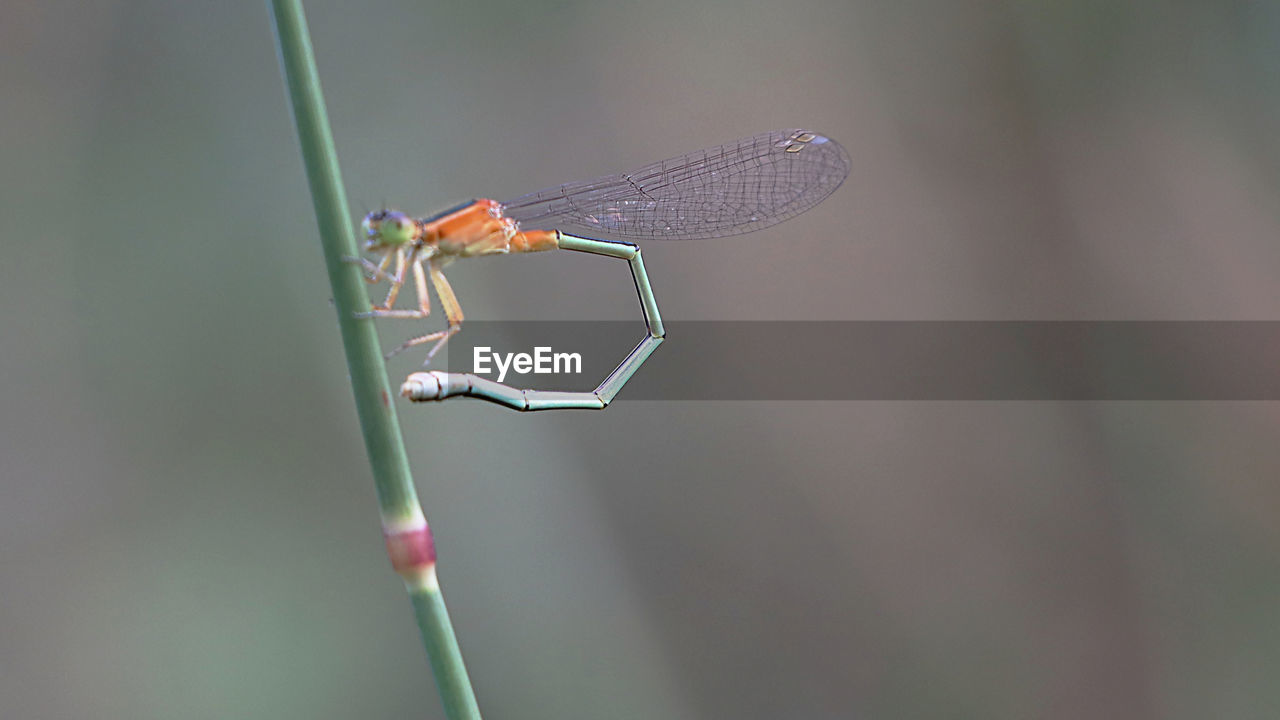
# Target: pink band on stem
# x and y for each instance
(411, 551)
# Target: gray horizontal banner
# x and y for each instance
(887, 360)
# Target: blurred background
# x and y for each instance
(187, 522)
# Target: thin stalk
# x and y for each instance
(408, 538)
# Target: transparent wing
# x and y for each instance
(734, 188)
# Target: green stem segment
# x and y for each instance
(442, 649)
(408, 537)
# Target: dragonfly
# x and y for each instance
(730, 189)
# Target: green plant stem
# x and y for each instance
(402, 517)
(442, 649)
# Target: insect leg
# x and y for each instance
(385, 310)
(452, 312)
(376, 272)
(398, 282)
